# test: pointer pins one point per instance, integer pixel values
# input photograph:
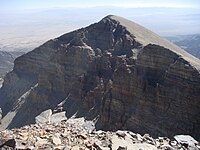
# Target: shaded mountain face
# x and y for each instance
(7, 61)
(191, 43)
(114, 71)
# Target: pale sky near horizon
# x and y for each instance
(24, 21)
(36, 4)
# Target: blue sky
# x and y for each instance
(35, 4)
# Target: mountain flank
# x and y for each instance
(7, 61)
(115, 72)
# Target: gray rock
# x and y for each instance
(56, 140)
(44, 117)
(89, 125)
(186, 140)
(121, 148)
(40, 141)
(143, 146)
(75, 148)
(58, 117)
(121, 142)
(121, 133)
(1, 82)
(0, 115)
(72, 134)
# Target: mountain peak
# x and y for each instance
(116, 72)
(145, 37)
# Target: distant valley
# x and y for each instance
(190, 43)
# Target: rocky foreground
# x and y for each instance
(78, 134)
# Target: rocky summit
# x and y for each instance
(115, 72)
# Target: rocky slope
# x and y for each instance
(7, 61)
(76, 134)
(114, 71)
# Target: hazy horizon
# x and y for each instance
(24, 4)
(27, 24)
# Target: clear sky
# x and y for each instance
(34, 4)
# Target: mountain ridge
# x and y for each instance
(153, 39)
(110, 76)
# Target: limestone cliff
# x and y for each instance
(114, 71)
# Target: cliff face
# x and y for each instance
(7, 61)
(115, 71)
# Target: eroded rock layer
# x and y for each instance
(114, 71)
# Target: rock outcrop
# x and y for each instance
(116, 72)
(1, 82)
(73, 134)
(48, 117)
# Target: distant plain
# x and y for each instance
(27, 29)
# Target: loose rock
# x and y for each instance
(73, 135)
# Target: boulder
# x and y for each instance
(58, 117)
(44, 117)
(143, 146)
(186, 140)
